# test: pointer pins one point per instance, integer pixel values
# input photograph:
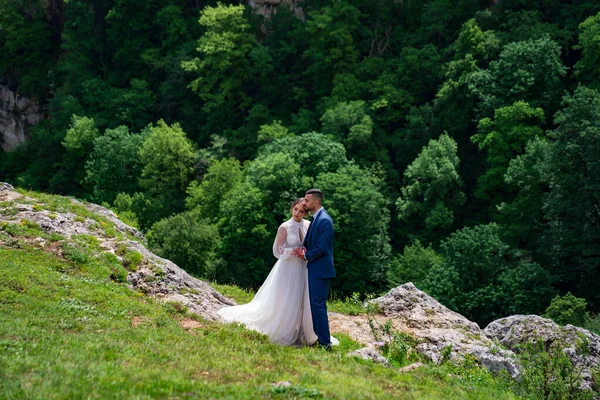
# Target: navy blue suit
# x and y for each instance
(319, 254)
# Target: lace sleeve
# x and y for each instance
(279, 244)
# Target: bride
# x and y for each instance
(281, 307)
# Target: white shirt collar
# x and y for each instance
(317, 213)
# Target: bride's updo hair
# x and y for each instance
(297, 201)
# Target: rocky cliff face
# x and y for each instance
(17, 114)
(268, 7)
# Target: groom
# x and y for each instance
(318, 251)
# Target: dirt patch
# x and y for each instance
(137, 321)
(189, 323)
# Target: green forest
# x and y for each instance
(457, 143)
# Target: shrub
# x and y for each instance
(187, 241)
(548, 373)
(397, 346)
(132, 260)
(567, 309)
(413, 265)
(593, 324)
(117, 272)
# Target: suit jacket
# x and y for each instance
(319, 247)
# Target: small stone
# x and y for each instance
(410, 367)
(283, 384)
(367, 353)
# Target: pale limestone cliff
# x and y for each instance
(17, 114)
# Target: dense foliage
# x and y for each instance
(457, 143)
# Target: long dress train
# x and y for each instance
(281, 307)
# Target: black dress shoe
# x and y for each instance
(327, 347)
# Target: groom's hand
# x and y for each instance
(301, 252)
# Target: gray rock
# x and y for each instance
(112, 217)
(368, 353)
(420, 310)
(6, 186)
(174, 284)
(580, 345)
(410, 367)
(282, 384)
(17, 114)
(439, 329)
(268, 7)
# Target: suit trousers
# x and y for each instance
(318, 291)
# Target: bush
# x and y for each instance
(548, 373)
(117, 272)
(413, 265)
(187, 241)
(484, 279)
(567, 309)
(397, 346)
(593, 324)
(132, 260)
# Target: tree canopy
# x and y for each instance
(461, 137)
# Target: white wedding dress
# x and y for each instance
(281, 307)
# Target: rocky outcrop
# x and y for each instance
(157, 277)
(440, 330)
(580, 345)
(268, 7)
(6, 187)
(174, 284)
(17, 113)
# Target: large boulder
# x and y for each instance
(442, 332)
(580, 345)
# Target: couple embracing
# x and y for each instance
(291, 305)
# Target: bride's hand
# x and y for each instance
(299, 252)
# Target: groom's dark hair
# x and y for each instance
(316, 193)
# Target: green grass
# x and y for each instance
(240, 295)
(67, 331)
(350, 306)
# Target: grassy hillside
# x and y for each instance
(67, 330)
